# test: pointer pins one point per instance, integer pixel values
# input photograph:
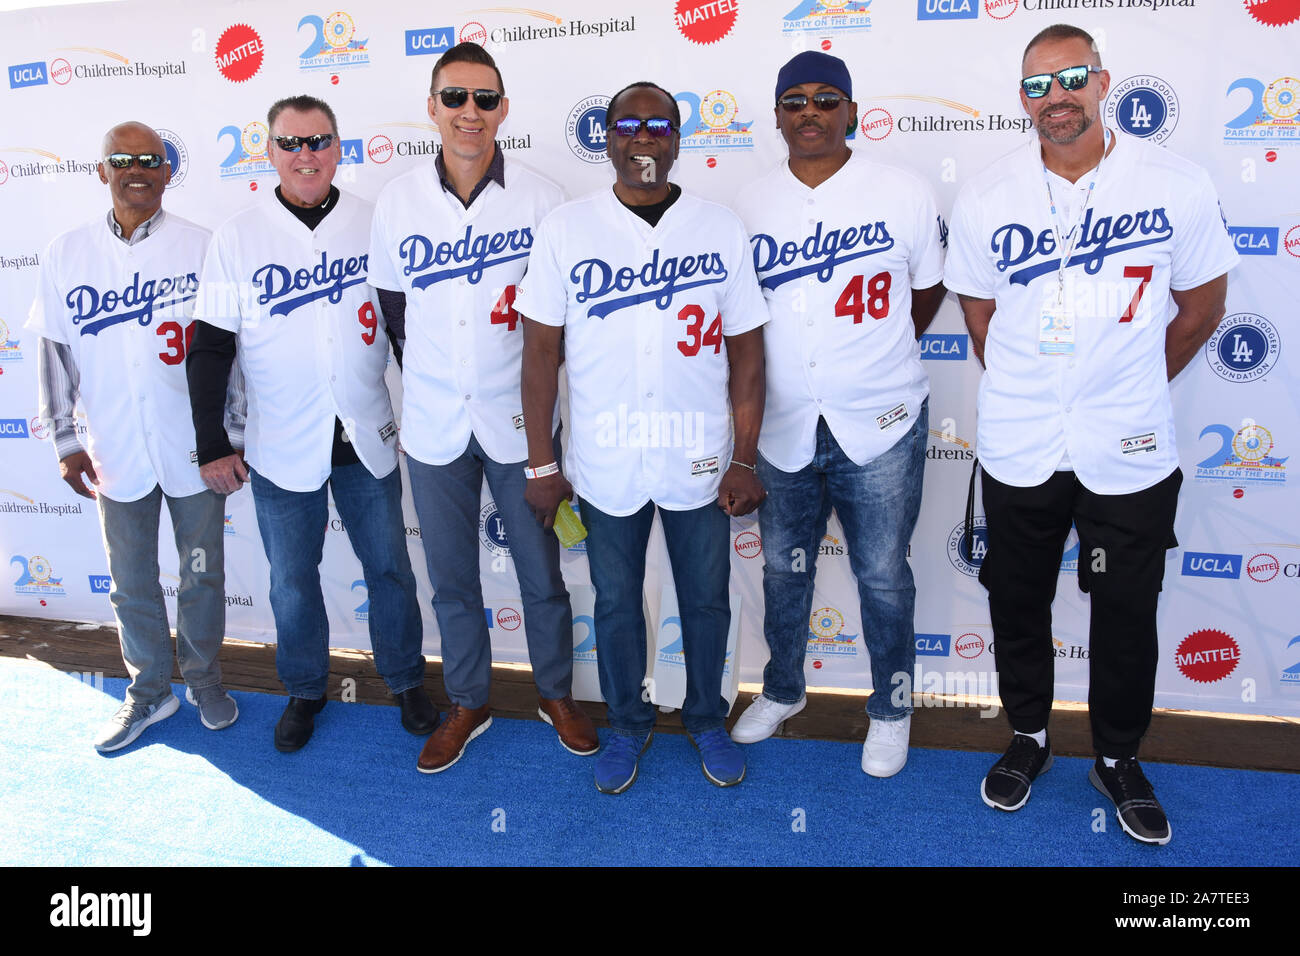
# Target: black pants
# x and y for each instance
(1122, 544)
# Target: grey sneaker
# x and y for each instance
(130, 721)
(217, 709)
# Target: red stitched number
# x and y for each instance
(1136, 272)
(178, 342)
(503, 313)
(876, 304)
(369, 322)
(712, 336)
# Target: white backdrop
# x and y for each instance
(935, 80)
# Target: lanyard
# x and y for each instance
(1073, 235)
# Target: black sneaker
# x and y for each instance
(1006, 787)
(1139, 812)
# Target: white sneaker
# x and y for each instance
(762, 717)
(885, 749)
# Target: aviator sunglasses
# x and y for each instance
(294, 144)
(454, 97)
(1072, 78)
(124, 160)
(826, 102)
(655, 126)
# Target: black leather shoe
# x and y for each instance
(296, 723)
(418, 713)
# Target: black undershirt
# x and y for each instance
(653, 213)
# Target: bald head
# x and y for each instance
(133, 137)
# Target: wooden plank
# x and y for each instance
(1175, 736)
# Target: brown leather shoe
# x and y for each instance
(452, 736)
(577, 732)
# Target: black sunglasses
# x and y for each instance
(794, 102)
(655, 126)
(124, 160)
(1072, 78)
(294, 144)
(454, 97)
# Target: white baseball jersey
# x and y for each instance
(311, 345)
(837, 265)
(125, 312)
(1153, 224)
(459, 269)
(644, 312)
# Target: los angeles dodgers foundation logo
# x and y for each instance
(969, 559)
(1143, 106)
(178, 156)
(585, 129)
(1244, 347)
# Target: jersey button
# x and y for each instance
(467, 398)
(810, 321)
(1069, 408)
(812, 364)
(649, 394)
(462, 321)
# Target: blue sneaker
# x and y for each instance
(617, 764)
(722, 761)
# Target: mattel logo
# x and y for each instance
(950, 348)
(100, 584)
(934, 645)
(13, 428)
(947, 9)
(1254, 240)
(430, 40)
(1201, 564)
(353, 150)
(27, 74)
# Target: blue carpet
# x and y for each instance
(183, 795)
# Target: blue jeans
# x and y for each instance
(699, 551)
(293, 525)
(447, 499)
(130, 531)
(877, 504)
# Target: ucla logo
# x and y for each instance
(492, 530)
(933, 645)
(178, 157)
(829, 16)
(711, 123)
(1270, 111)
(28, 74)
(820, 252)
(947, 9)
(86, 302)
(1204, 564)
(1243, 456)
(430, 40)
(1099, 238)
(944, 346)
(660, 279)
(36, 576)
(1244, 347)
(1254, 240)
(468, 256)
(969, 559)
(585, 129)
(100, 583)
(333, 45)
(327, 280)
(1143, 106)
(247, 155)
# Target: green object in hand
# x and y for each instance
(568, 526)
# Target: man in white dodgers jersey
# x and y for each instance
(112, 308)
(1091, 266)
(449, 243)
(285, 291)
(849, 254)
(653, 297)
